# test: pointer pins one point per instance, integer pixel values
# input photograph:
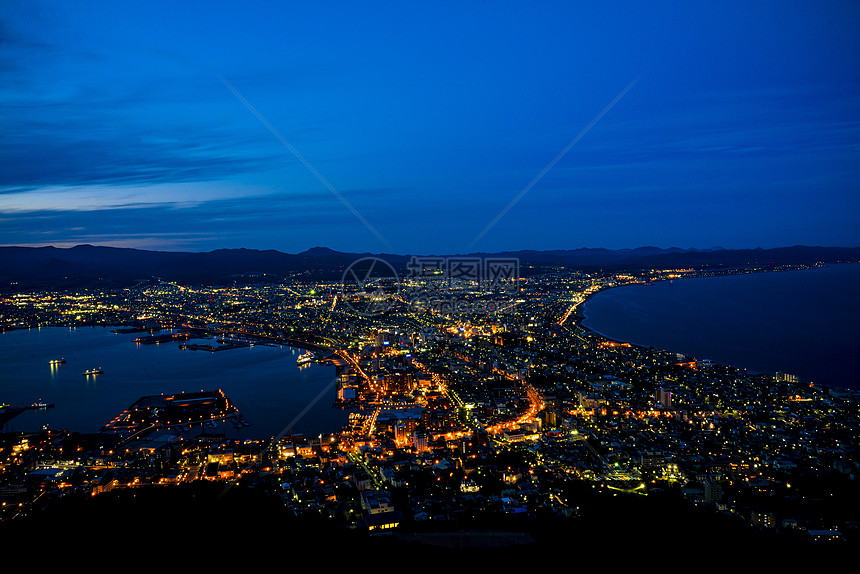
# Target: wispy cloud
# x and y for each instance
(108, 197)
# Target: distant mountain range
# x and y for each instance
(91, 266)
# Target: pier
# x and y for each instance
(157, 339)
(169, 411)
(130, 330)
(10, 412)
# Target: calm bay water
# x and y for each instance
(263, 382)
(802, 322)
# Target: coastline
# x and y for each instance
(579, 317)
(579, 313)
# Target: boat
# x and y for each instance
(305, 358)
(58, 361)
(93, 372)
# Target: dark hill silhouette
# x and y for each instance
(91, 266)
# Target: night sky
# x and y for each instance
(409, 127)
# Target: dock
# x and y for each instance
(173, 411)
(10, 412)
(157, 339)
(213, 348)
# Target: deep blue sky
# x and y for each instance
(117, 127)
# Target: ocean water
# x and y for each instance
(801, 322)
(263, 382)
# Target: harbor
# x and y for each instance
(263, 380)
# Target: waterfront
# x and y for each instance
(715, 438)
(800, 322)
(262, 381)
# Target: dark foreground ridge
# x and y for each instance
(201, 516)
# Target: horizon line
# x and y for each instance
(407, 254)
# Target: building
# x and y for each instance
(712, 491)
(420, 443)
(664, 398)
